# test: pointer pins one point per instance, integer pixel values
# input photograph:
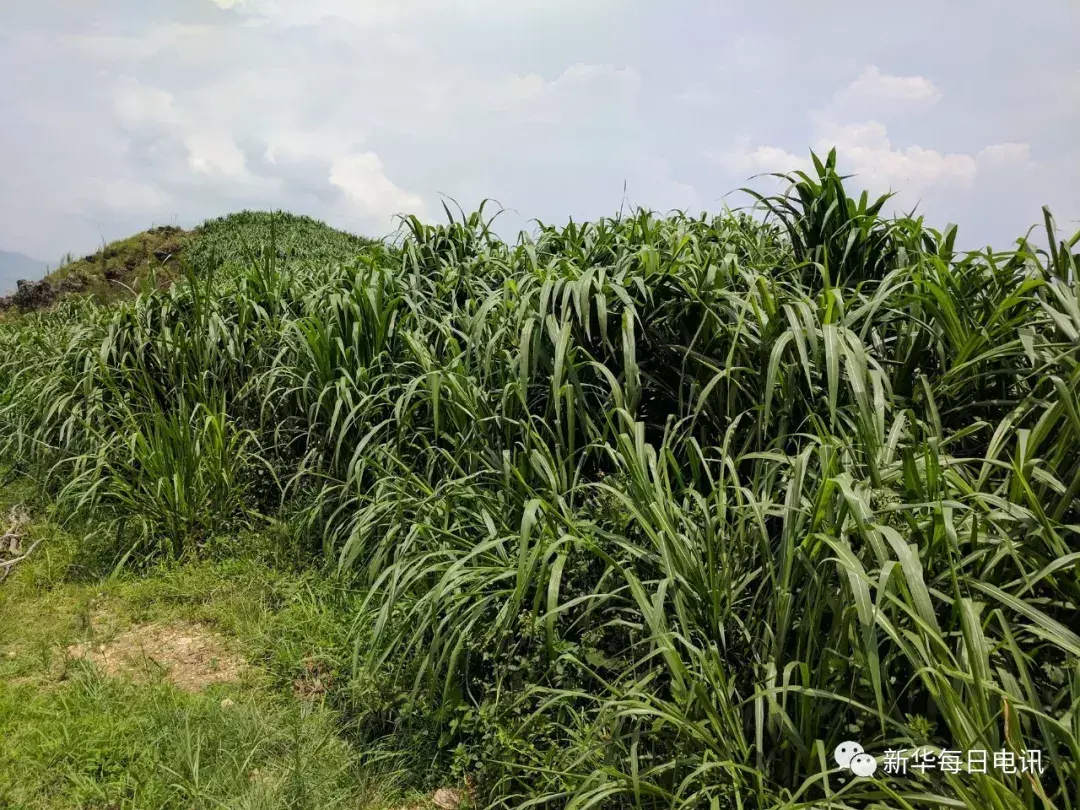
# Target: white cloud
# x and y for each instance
(873, 84)
(369, 13)
(131, 196)
(215, 152)
(1005, 155)
(140, 107)
(112, 197)
(745, 160)
(311, 143)
(581, 92)
(867, 149)
(309, 12)
(879, 96)
(864, 150)
(546, 105)
(372, 193)
(652, 185)
(625, 80)
(150, 42)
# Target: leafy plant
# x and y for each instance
(651, 511)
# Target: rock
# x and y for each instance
(70, 284)
(448, 798)
(33, 294)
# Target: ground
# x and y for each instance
(198, 684)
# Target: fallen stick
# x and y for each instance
(29, 551)
(7, 565)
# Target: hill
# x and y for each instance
(656, 511)
(158, 256)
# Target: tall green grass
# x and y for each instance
(651, 511)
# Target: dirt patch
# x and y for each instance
(444, 799)
(189, 656)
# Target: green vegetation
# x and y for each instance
(125, 266)
(155, 258)
(73, 737)
(645, 512)
(238, 239)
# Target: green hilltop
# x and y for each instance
(158, 256)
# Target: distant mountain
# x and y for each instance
(14, 266)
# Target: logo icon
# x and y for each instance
(850, 755)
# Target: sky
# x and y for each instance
(124, 114)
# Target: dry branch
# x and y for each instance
(12, 539)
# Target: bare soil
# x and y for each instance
(188, 655)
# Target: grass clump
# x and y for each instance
(651, 511)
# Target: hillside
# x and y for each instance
(652, 511)
(158, 256)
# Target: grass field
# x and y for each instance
(653, 511)
(78, 733)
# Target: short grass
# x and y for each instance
(74, 737)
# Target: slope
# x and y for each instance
(158, 256)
